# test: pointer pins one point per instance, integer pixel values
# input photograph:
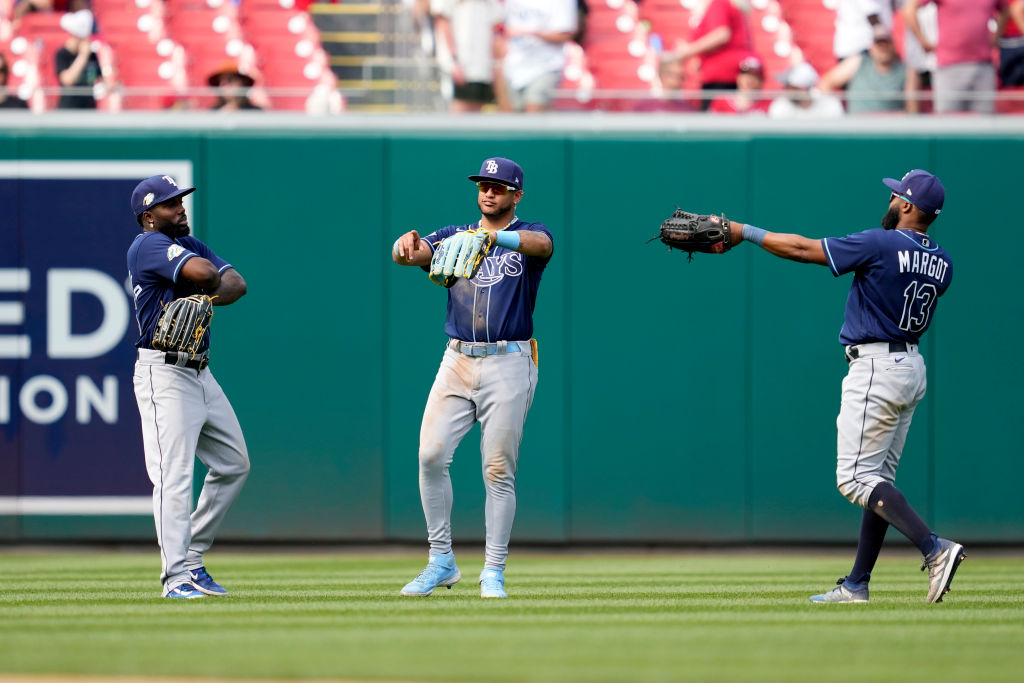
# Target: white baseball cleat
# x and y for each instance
(941, 566)
(843, 593)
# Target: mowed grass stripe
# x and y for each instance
(728, 616)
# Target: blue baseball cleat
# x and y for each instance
(492, 584)
(440, 571)
(184, 591)
(202, 581)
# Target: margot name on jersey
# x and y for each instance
(924, 264)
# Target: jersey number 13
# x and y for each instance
(918, 302)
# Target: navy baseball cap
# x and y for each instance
(156, 189)
(500, 170)
(921, 189)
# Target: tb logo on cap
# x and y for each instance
(492, 166)
(170, 180)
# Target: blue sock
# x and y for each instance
(888, 503)
(872, 533)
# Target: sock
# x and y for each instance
(888, 503)
(872, 533)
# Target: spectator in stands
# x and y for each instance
(920, 64)
(671, 76)
(536, 32)
(856, 21)
(747, 99)
(233, 88)
(464, 35)
(965, 79)
(8, 100)
(874, 79)
(802, 98)
(721, 38)
(77, 65)
(1011, 45)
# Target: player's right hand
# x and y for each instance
(406, 247)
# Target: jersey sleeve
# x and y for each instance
(846, 254)
(160, 257)
(201, 249)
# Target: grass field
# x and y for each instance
(658, 616)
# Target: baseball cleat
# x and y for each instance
(184, 591)
(202, 581)
(440, 571)
(843, 593)
(941, 566)
(492, 584)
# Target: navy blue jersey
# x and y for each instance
(900, 275)
(497, 304)
(154, 262)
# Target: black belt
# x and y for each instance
(184, 360)
(894, 347)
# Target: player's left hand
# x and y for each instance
(459, 256)
(692, 232)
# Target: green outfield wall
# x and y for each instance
(654, 421)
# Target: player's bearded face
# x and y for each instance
(496, 205)
(171, 218)
(891, 218)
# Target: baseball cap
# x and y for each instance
(501, 170)
(79, 24)
(156, 189)
(800, 75)
(751, 65)
(921, 189)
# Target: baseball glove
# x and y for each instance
(182, 324)
(459, 256)
(692, 232)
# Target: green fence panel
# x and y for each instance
(978, 375)
(301, 355)
(657, 439)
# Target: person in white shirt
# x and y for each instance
(855, 25)
(802, 98)
(466, 50)
(536, 32)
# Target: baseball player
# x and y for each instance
(488, 373)
(184, 411)
(899, 274)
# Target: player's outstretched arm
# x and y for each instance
(231, 288)
(783, 245)
(410, 250)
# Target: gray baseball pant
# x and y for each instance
(185, 414)
(880, 393)
(497, 392)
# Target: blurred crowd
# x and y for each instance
(951, 56)
(515, 56)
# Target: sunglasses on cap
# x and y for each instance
(496, 188)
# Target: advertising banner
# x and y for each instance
(70, 439)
